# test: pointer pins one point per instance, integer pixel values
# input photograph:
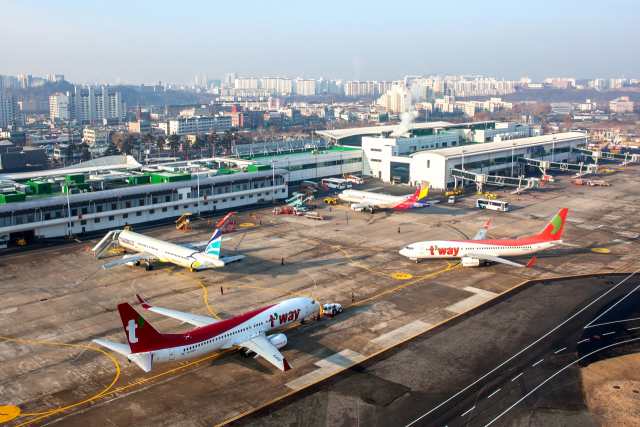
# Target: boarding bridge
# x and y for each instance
(544, 165)
(480, 179)
(626, 158)
(110, 240)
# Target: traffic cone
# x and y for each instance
(207, 222)
(154, 273)
(227, 288)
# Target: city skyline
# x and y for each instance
(143, 43)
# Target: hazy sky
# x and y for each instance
(147, 41)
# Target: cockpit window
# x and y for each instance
(409, 247)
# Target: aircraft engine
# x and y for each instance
(278, 340)
(131, 264)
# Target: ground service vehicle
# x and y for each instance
(330, 201)
(331, 309)
(495, 205)
(452, 199)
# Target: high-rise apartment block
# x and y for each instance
(8, 111)
(397, 99)
(278, 85)
(246, 83)
(87, 106)
(305, 87)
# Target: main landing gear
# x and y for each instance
(245, 352)
(148, 267)
(486, 263)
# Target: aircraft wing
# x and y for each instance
(261, 345)
(142, 256)
(202, 243)
(482, 234)
(502, 260)
(192, 319)
(229, 259)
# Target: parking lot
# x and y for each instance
(49, 315)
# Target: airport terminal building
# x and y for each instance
(492, 158)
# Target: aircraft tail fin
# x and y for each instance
(213, 247)
(553, 230)
(421, 194)
(140, 334)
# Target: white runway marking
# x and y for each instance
(539, 361)
(516, 377)
(327, 367)
(467, 303)
(401, 334)
(494, 393)
(560, 350)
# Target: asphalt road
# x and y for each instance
(544, 371)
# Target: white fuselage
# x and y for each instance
(165, 251)
(373, 199)
(232, 332)
(462, 248)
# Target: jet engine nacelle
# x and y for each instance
(470, 262)
(132, 263)
(278, 340)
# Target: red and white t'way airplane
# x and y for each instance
(247, 331)
(479, 248)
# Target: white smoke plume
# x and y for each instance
(406, 119)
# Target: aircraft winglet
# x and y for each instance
(143, 302)
(531, 262)
(486, 226)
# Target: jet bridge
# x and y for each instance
(481, 179)
(626, 158)
(580, 169)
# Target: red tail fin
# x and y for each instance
(140, 334)
(553, 230)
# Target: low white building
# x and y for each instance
(389, 158)
(490, 158)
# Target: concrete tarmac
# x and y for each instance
(55, 375)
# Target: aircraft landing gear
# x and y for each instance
(193, 270)
(416, 261)
(245, 352)
(148, 267)
(486, 263)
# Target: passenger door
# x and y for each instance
(172, 353)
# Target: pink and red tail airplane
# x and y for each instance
(367, 200)
(247, 331)
(479, 248)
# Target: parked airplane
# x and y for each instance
(247, 331)
(479, 248)
(183, 255)
(367, 200)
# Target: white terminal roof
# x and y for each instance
(483, 148)
(100, 164)
(343, 133)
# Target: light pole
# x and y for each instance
(553, 150)
(198, 189)
(513, 149)
(69, 211)
(463, 151)
(273, 178)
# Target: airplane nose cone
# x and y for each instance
(403, 252)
